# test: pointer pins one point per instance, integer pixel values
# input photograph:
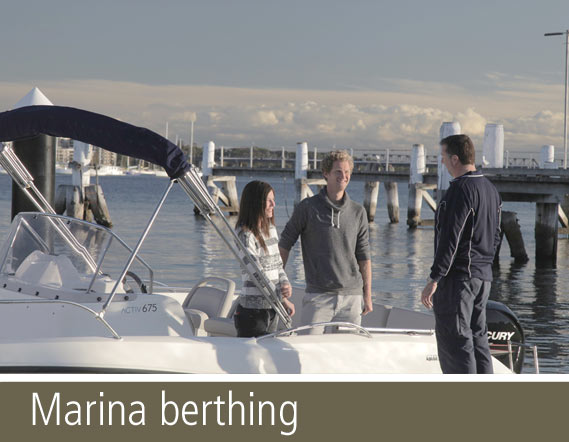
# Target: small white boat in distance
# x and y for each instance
(108, 170)
(61, 169)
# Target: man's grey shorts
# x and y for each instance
(326, 307)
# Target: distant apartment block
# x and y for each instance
(64, 153)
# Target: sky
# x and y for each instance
(367, 75)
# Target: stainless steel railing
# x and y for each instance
(18, 172)
(353, 327)
(510, 347)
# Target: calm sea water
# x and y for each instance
(182, 248)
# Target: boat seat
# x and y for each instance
(49, 270)
(207, 302)
(220, 327)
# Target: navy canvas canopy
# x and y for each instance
(96, 129)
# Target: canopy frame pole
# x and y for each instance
(132, 256)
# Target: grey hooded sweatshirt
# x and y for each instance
(334, 238)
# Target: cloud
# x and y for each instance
(471, 122)
(412, 112)
(264, 118)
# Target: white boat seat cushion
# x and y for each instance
(220, 327)
(49, 270)
(197, 318)
(208, 301)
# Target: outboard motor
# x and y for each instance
(504, 326)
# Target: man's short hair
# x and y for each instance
(461, 146)
(336, 155)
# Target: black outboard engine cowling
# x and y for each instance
(504, 326)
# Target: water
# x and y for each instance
(182, 248)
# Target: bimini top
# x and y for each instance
(96, 129)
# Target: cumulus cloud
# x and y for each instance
(364, 120)
(264, 118)
(471, 122)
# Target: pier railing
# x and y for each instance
(518, 176)
(378, 159)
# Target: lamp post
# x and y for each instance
(566, 33)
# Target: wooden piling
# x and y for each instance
(97, 204)
(302, 190)
(563, 215)
(511, 229)
(414, 204)
(80, 169)
(444, 177)
(300, 172)
(415, 200)
(88, 216)
(227, 194)
(208, 159)
(315, 159)
(546, 231)
(74, 202)
(563, 220)
(392, 195)
(229, 191)
(370, 199)
(493, 146)
(60, 198)
(547, 157)
(81, 199)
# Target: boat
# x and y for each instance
(107, 170)
(63, 169)
(132, 171)
(74, 297)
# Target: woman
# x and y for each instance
(255, 227)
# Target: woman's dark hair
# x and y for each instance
(252, 209)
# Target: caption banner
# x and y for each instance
(282, 410)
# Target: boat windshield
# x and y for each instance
(68, 254)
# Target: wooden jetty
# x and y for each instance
(546, 186)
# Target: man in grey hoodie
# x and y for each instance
(335, 248)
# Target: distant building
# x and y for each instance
(64, 154)
(64, 151)
(104, 157)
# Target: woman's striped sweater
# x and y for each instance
(269, 260)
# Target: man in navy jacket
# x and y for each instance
(467, 233)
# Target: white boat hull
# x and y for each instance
(296, 354)
(75, 341)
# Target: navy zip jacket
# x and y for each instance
(467, 229)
